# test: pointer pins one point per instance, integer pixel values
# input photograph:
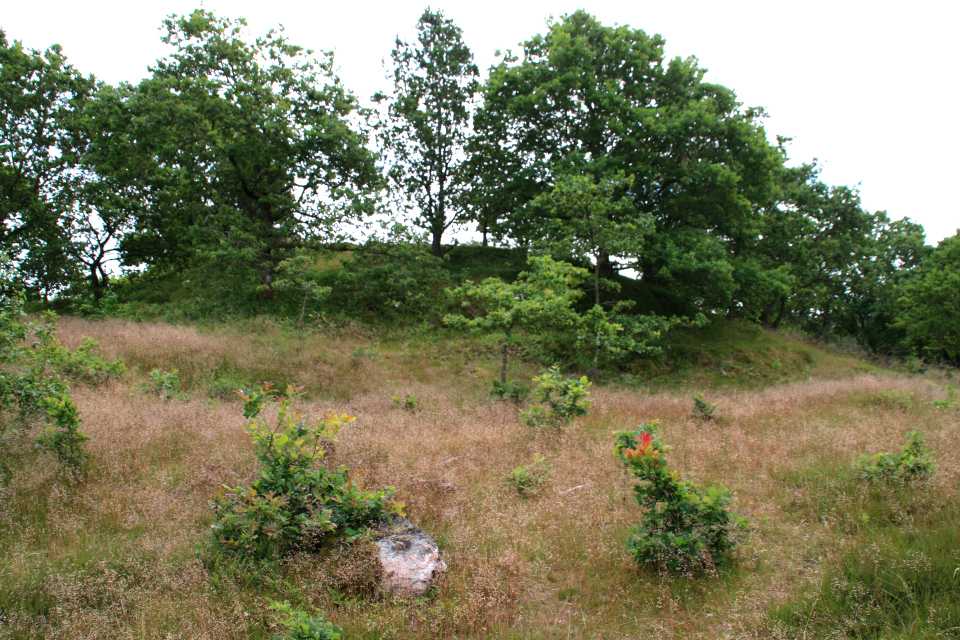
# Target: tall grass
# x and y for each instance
(124, 555)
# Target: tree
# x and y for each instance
(587, 220)
(240, 149)
(435, 81)
(41, 96)
(540, 298)
(930, 302)
(699, 162)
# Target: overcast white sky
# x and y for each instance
(868, 88)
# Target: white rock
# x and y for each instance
(410, 558)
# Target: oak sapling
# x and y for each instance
(295, 502)
(685, 528)
(914, 463)
(566, 400)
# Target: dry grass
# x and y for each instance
(122, 556)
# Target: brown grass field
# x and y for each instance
(124, 554)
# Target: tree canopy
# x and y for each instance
(435, 81)
(236, 148)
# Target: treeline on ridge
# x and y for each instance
(243, 166)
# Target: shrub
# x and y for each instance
(566, 400)
(33, 364)
(686, 527)
(164, 385)
(299, 625)
(703, 410)
(529, 479)
(63, 437)
(294, 503)
(913, 463)
(409, 401)
(514, 391)
(370, 353)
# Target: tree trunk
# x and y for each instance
(503, 363)
(780, 314)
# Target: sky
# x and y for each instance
(866, 88)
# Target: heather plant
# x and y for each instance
(529, 479)
(295, 502)
(703, 410)
(913, 463)
(566, 400)
(685, 528)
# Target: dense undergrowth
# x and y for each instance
(127, 552)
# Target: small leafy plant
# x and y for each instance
(63, 437)
(913, 463)
(365, 353)
(295, 502)
(164, 385)
(529, 479)
(566, 400)
(686, 528)
(516, 392)
(299, 625)
(703, 410)
(409, 401)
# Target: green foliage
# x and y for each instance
(930, 303)
(914, 463)
(697, 161)
(41, 97)
(590, 220)
(295, 502)
(368, 353)
(234, 151)
(409, 401)
(32, 368)
(391, 278)
(703, 410)
(540, 298)
(63, 437)
(514, 391)
(164, 385)
(435, 80)
(566, 400)
(295, 274)
(299, 625)
(685, 528)
(529, 479)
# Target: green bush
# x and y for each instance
(514, 391)
(33, 371)
(369, 353)
(164, 385)
(409, 401)
(63, 437)
(685, 528)
(391, 278)
(913, 463)
(294, 503)
(299, 625)
(566, 399)
(529, 479)
(703, 410)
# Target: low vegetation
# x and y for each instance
(560, 549)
